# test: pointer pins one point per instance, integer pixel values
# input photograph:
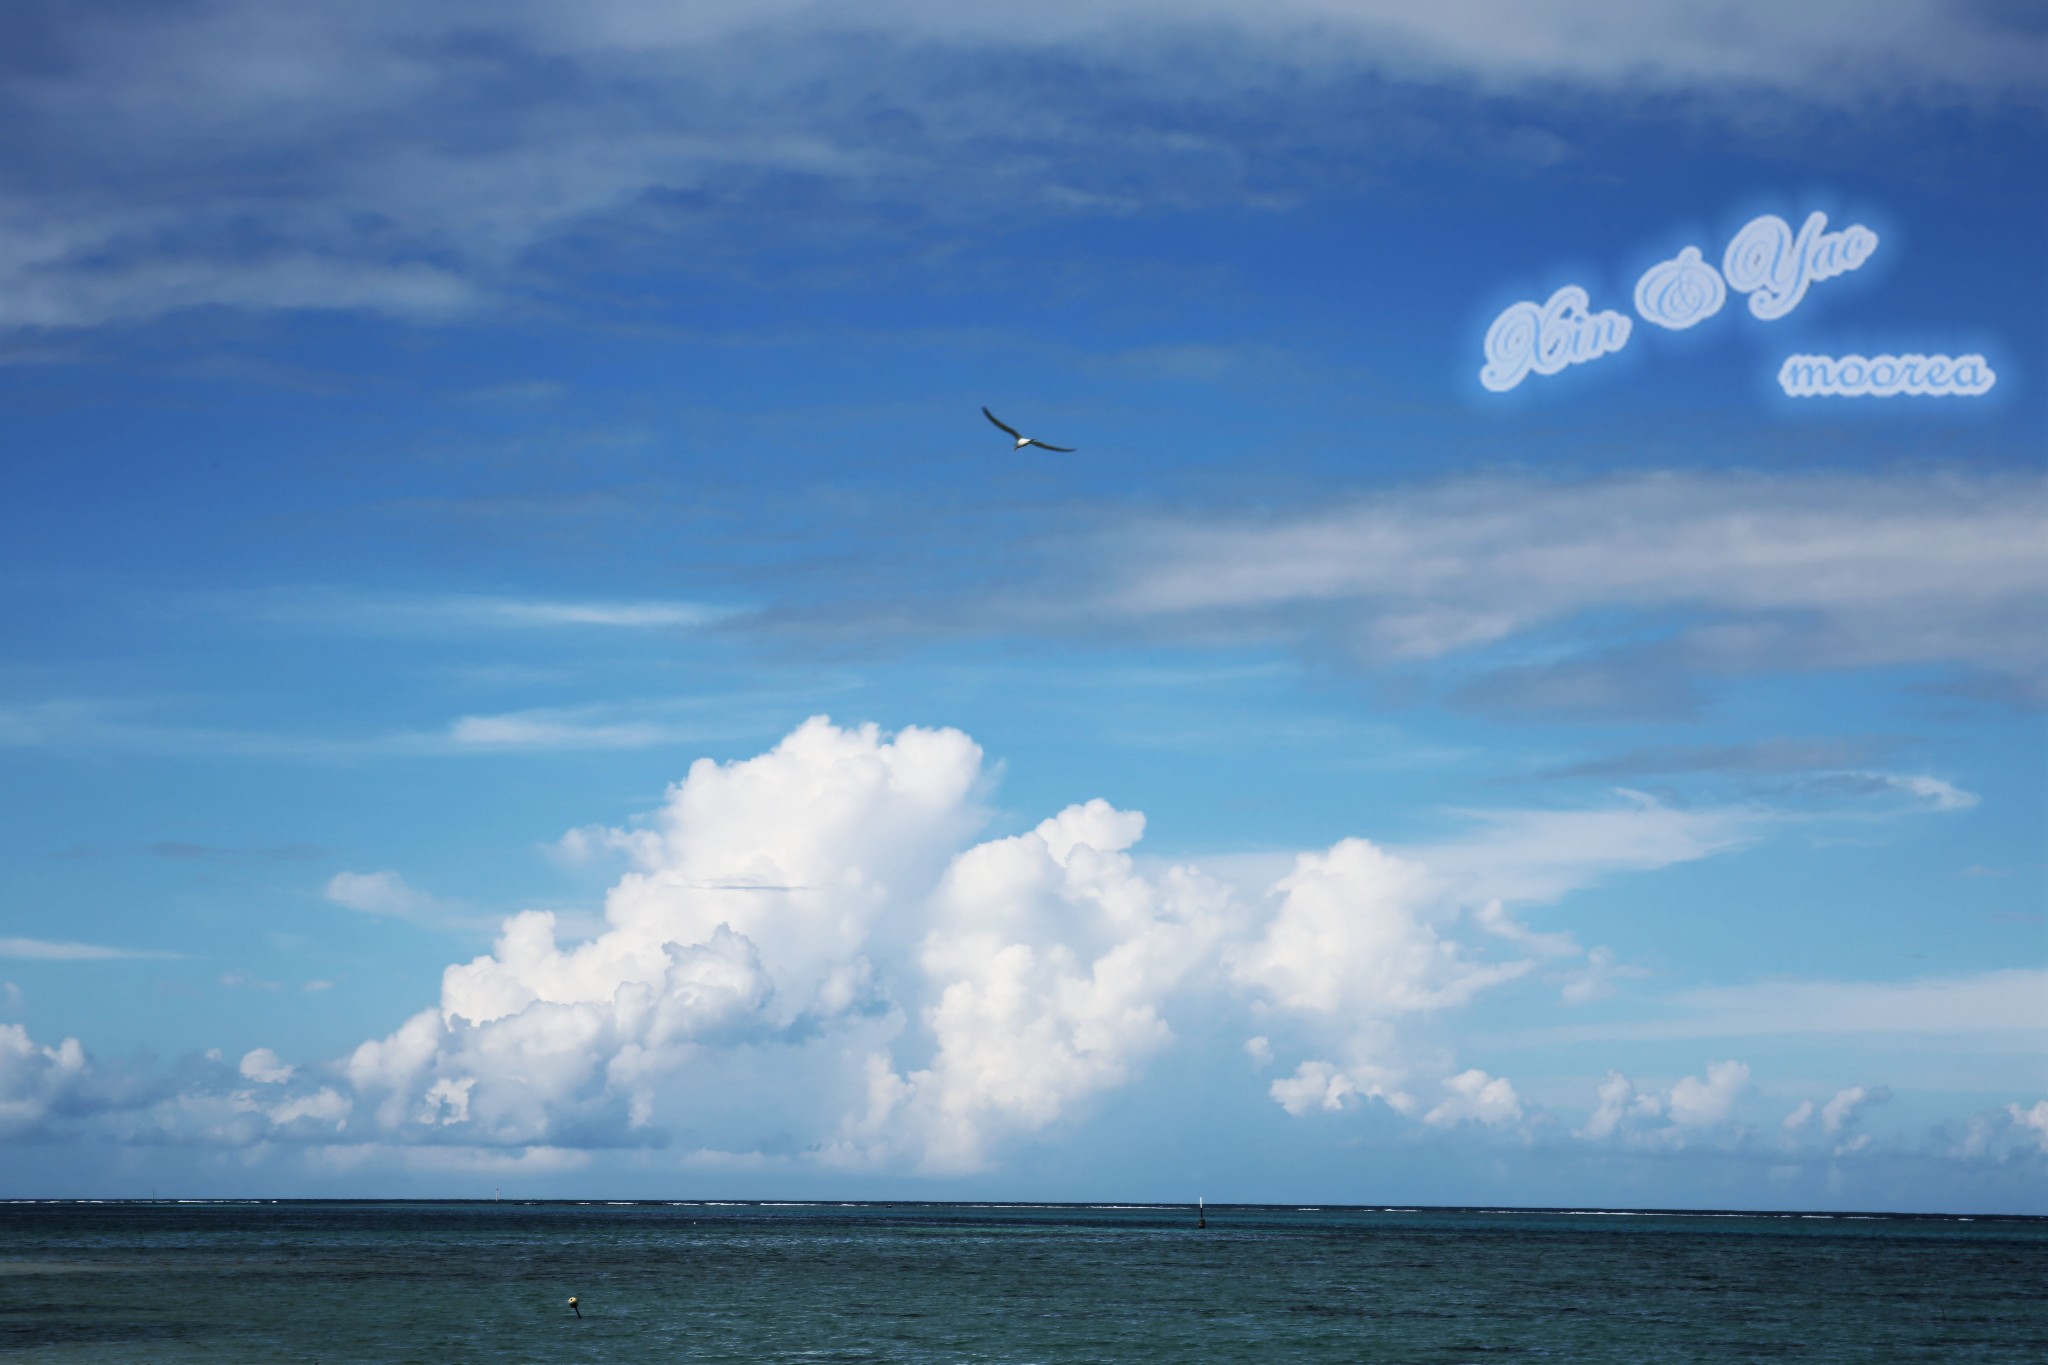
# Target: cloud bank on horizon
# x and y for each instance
(909, 999)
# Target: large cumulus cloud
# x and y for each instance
(1047, 965)
(759, 891)
(903, 995)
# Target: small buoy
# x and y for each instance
(572, 1305)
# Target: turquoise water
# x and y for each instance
(452, 1283)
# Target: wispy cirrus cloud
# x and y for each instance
(2012, 1002)
(1918, 791)
(184, 851)
(1874, 569)
(341, 609)
(58, 950)
(1621, 597)
(564, 728)
(178, 850)
(1769, 757)
(140, 726)
(1725, 573)
(1535, 856)
(1789, 776)
(411, 161)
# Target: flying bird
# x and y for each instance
(1021, 439)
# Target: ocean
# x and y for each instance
(448, 1284)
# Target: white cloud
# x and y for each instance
(1670, 1118)
(1694, 1103)
(1353, 937)
(1847, 1105)
(2031, 1122)
(323, 1112)
(1494, 918)
(404, 614)
(630, 615)
(1659, 43)
(1671, 43)
(1537, 856)
(2007, 1134)
(1325, 1086)
(589, 842)
(1360, 936)
(266, 1068)
(1837, 1117)
(1050, 959)
(378, 893)
(35, 1081)
(98, 725)
(557, 728)
(1314, 1085)
(1612, 1099)
(37, 291)
(1475, 1097)
(758, 897)
(1888, 793)
(1934, 791)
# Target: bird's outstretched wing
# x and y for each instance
(1064, 450)
(1001, 423)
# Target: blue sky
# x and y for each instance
(456, 458)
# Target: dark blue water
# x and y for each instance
(449, 1283)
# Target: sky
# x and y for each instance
(526, 669)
